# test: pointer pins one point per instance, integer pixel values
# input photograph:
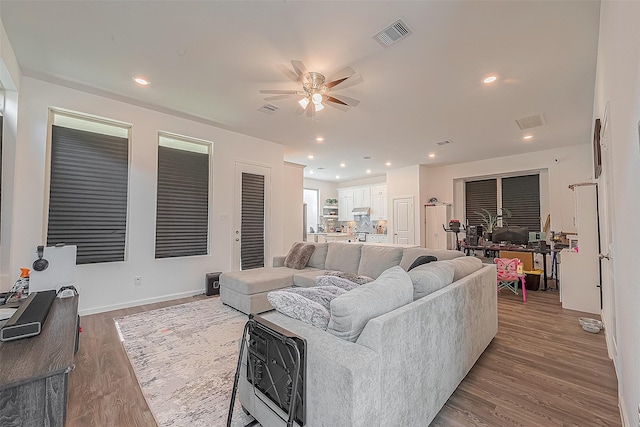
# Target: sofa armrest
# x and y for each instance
(343, 378)
(278, 261)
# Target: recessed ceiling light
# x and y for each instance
(319, 139)
(141, 81)
(368, 170)
(310, 172)
(337, 176)
(432, 155)
(490, 79)
(343, 165)
(388, 164)
(310, 156)
(527, 137)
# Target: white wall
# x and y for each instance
(618, 84)
(374, 180)
(326, 190)
(110, 285)
(559, 168)
(292, 209)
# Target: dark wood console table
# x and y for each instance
(34, 371)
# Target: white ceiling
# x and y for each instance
(209, 59)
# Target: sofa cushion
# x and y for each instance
(343, 257)
(376, 259)
(428, 278)
(409, 255)
(422, 259)
(307, 277)
(258, 280)
(464, 266)
(299, 255)
(299, 307)
(345, 284)
(319, 256)
(351, 311)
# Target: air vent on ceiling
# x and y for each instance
(393, 33)
(444, 142)
(530, 122)
(268, 108)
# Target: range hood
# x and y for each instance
(361, 211)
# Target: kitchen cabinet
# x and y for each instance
(345, 204)
(376, 238)
(361, 197)
(435, 218)
(330, 212)
(378, 195)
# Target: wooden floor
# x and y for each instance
(542, 369)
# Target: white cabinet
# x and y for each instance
(377, 238)
(435, 218)
(361, 197)
(345, 204)
(579, 274)
(378, 195)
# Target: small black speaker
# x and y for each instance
(212, 283)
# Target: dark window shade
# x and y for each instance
(182, 216)
(480, 195)
(521, 195)
(88, 193)
(252, 230)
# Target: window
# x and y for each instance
(310, 197)
(88, 186)
(519, 194)
(182, 214)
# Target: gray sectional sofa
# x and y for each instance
(247, 290)
(391, 355)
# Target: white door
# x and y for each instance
(403, 221)
(250, 237)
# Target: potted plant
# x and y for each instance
(331, 202)
(490, 220)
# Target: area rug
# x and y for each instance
(185, 359)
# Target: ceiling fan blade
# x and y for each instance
(280, 92)
(339, 106)
(299, 67)
(277, 97)
(287, 72)
(341, 99)
(345, 82)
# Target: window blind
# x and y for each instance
(480, 195)
(182, 214)
(252, 222)
(88, 193)
(521, 195)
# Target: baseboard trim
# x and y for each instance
(96, 310)
(623, 413)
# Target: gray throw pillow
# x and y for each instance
(359, 279)
(300, 308)
(299, 255)
(424, 259)
(345, 284)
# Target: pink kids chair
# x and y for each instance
(509, 275)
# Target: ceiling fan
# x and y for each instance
(316, 91)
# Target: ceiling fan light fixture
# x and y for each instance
(319, 107)
(316, 98)
(304, 102)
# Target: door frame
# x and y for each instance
(256, 169)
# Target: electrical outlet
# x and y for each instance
(137, 280)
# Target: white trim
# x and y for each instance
(623, 415)
(169, 297)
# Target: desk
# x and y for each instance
(493, 250)
(33, 380)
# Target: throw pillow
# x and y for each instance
(300, 308)
(345, 284)
(299, 255)
(424, 259)
(359, 279)
(332, 289)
